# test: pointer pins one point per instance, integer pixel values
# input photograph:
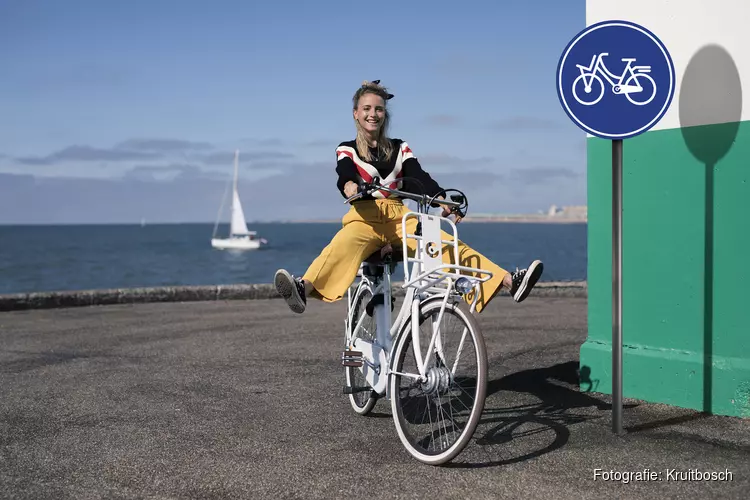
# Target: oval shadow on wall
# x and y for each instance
(710, 93)
(710, 114)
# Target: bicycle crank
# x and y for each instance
(354, 390)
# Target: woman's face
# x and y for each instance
(370, 112)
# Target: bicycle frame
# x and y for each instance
(426, 277)
(597, 63)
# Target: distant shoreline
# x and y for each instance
(521, 219)
(468, 220)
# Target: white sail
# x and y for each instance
(240, 238)
(238, 225)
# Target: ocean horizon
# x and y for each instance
(86, 256)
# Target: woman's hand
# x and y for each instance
(447, 211)
(350, 189)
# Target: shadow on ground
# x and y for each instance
(545, 403)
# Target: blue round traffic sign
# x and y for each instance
(615, 79)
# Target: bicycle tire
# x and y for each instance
(459, 309)
(594, 78)
(361, 406)
(636, 76)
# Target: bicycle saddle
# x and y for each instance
(376, 259)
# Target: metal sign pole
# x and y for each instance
(617, 286)
(615, 112)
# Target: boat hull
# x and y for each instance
(236, 243)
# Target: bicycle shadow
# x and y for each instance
(524, 431)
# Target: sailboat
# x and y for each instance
(240, 238)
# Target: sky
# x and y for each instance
(113, 112)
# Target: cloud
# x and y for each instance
(518, 123)
(187, 198)
(162, 145)
(320, 143)
(87, 153)
(264, 143)
(190, 194)
(443, 120)
(152, 148)
(227, 157)
(445, 159)
(170, 172)
(469, 180)
(542, 175)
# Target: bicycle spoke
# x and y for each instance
(438, 413)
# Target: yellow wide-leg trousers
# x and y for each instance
(368, 226)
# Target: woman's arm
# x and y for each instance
(347, 175)
(427, 185)
(413, 169)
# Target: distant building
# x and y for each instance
(572, 212)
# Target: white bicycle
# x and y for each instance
(630, 86)
(414, 360)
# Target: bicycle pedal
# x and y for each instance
(354, 390)
(352, 358)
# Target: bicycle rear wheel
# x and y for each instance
(436, 418)
(363, 401)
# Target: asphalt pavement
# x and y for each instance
(243, 399)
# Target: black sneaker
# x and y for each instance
(525, 279)
(291, 289)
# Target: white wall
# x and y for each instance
(685, 26)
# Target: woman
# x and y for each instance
(375, 220)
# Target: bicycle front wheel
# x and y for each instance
(436, 416)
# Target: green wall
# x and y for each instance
(686, 302)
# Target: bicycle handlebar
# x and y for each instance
(367, 187)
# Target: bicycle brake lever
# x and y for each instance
(353, 197)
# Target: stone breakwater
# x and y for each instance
(80, 298)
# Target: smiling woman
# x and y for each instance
(375, 220)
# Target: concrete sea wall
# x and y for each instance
(80, 298)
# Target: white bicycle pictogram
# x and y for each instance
(632, 85)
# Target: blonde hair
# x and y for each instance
(384, 145)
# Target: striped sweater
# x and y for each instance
(403, 163)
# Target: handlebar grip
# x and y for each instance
(365, 186)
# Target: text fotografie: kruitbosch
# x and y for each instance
(665, 475)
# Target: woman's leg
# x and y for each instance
(519, 283)
(334, 270)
